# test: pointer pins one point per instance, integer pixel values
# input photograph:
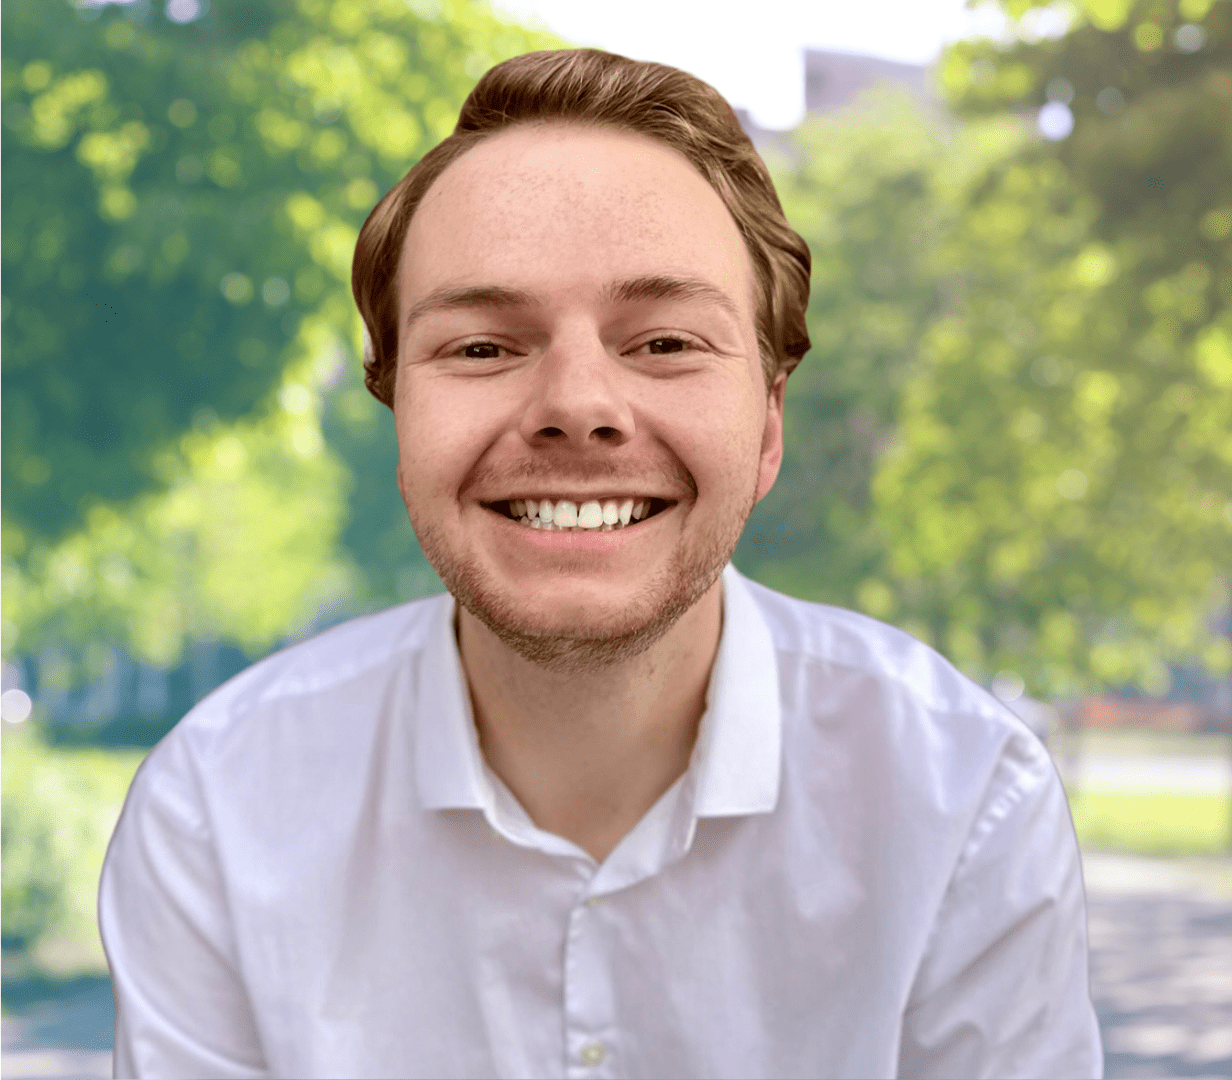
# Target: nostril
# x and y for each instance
(606, 433)
(551, 432)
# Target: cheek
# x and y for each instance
(443, 430)
(717, 437)
(428, 443)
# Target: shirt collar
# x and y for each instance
(739, 743)
(737, 758)
(448, 762)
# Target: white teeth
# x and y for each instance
(590, 515)
(566, 514)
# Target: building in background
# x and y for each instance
(835, 80)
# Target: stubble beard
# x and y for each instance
(658, 605)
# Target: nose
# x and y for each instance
(576, 399)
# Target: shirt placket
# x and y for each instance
(595, 1043)
(591, 1045)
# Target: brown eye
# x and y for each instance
(659, 346)
(481, 350)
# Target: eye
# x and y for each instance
(481, 350)
(661, 346)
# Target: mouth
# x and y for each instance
(590, 515)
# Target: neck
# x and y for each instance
(587, 754)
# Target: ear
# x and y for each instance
(772, 437)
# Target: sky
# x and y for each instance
(752, 50)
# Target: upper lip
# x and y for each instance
(564, 492)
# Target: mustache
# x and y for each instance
(562, 471)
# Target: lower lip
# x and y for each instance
(580, 539)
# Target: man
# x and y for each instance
(607, 808)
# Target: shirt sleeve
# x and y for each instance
(1003, 987)
(181, 1006)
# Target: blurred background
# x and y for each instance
(1012, 437)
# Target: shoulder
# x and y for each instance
(819, 635)
(311, 682)
(854, 686)
(283, 730)
(920, 764)
(355, 649)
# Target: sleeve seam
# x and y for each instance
(981, 828)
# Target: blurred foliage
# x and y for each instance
(864, 192)
(1017, 423)
(254, 501)
(1011, 437)
(59, 808)
(1153, 823)
(1098, 534)
(879, 191)
(180, 206)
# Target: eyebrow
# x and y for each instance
(476, 296)
(633, 290)
(659, 287)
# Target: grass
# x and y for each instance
(1152, 823)
(1136, 741)
(59, 806)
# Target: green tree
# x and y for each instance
(181, 203)
(877, 190)
(1013, 435)
(60, 807)
(1058, 502)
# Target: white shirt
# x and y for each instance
(868, 870)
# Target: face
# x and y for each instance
(577, 343)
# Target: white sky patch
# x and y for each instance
(752, 52)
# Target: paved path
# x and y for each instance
(1161, 979)
(68, 1037)
(1161, 964)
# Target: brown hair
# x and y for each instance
(591, 87)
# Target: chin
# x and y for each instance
(586, 624)
(577, 636)
(570, 634)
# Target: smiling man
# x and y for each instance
(606, 808)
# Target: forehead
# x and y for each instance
(556, 205)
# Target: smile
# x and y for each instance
(565, 515)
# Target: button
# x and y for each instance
(592, 901)
(593, 1054)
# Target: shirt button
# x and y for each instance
(593, 901)
(593, 1054)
